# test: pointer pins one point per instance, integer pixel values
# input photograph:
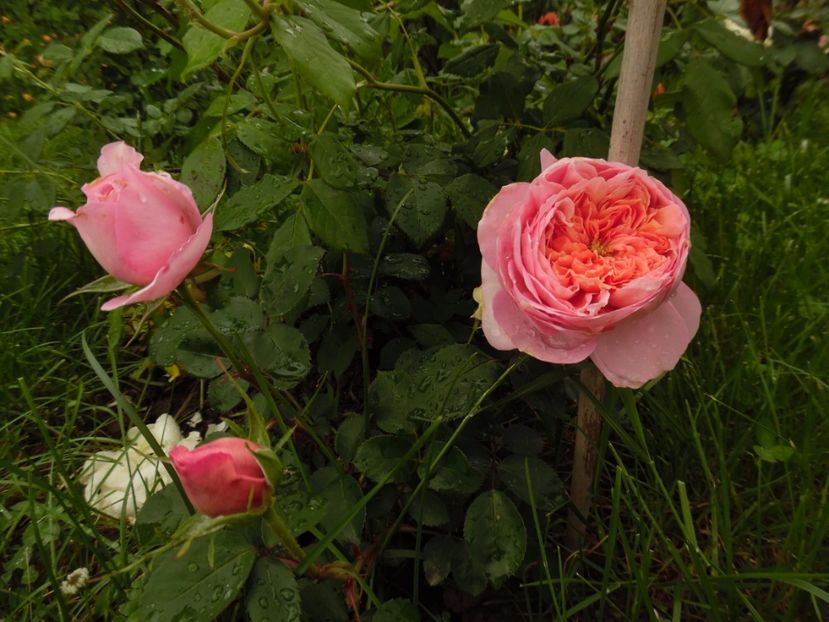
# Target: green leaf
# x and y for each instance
(774, 453)
(429, 509)
(669, 46)
(547, 487)
(424, 206)
(337, 166)
(202, 583)
(587, 142)
(273, 593)
(204, 47)
(405, 266)
(160, 515)
(120, 40)
(453, 473)
(204, 171)
(225, 395)
(709, 105)
(323, 67)
(288, 276)
(378, 456)
(469, 196)
(523, 440)
(730, 44)
(437, 559)
(265, 138)
(249, 202)
(283, 351)
(237, 102)
(344, 24)
(473, 62)
(300, 510)
(476, 12)
(467, 572)
(568, 101)
(341, 493)
(445, 382)
(106, 284)
(495, 534)
(336, 216)
(324, 602)
(349, 436)
(529, 161)
(397, 610)
(199, 355)
(166, 338)
(239, 315)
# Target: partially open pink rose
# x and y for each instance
(587, 260)
(143, 228)
(222, 477)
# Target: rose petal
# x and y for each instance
(95, 224)
(642, 348)
(115, 156)
(490, 286)
(547, 159)
(150, 223)
(685, 301)
(564, 346)
(214, 486)
(61, 213)
(498, 211)
(171, 274)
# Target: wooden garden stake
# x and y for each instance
(632, 98)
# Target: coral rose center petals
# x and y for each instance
(598, 242)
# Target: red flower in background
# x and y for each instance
(549, 19)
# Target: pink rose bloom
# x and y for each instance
(587, 260)
(222, 477)
(143, 228)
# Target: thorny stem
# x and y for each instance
(373, 83)
(285, 536)
(193, 13)
(148, 24)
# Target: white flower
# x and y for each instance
(118, 482)
(216, 427)
(195, 420)
(74, 581)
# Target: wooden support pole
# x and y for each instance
(633, 95)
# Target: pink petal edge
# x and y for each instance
(116, 155)
(490, 287)
(498, 211)
(61, 213)
(547, 159)
(173, 273)
(562, 346)
(642, 348)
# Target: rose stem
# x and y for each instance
(632, 98)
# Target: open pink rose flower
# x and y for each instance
(143, 228)
(222, 477)
(587, 260)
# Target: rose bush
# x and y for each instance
(143, 228)
(587, 260)
(222, 477)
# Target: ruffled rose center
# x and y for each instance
(597, 243)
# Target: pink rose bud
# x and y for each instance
(587, 260)
(222, 477)
(143, 228)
